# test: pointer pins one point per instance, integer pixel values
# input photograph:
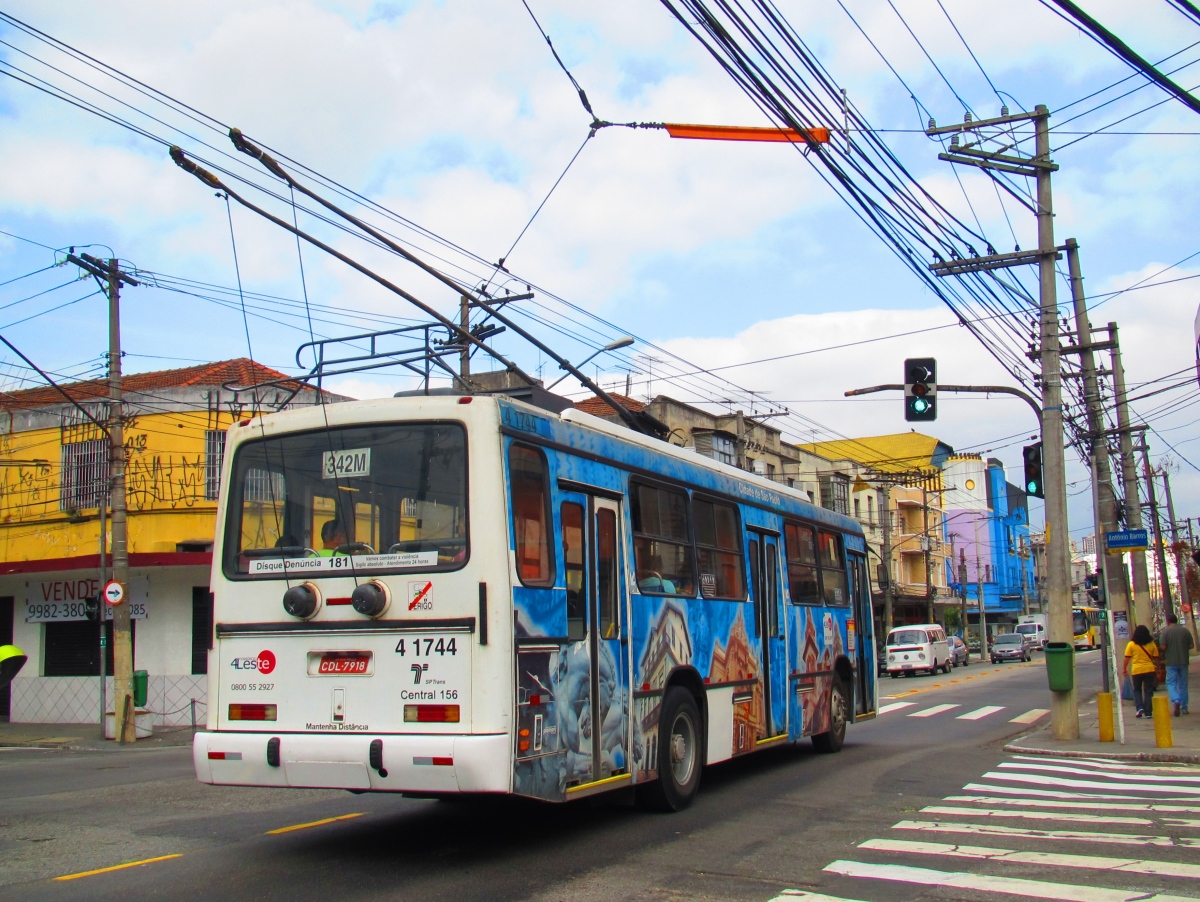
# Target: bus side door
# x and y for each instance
(860, 642)
(768, 621)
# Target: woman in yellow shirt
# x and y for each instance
(1139, 664)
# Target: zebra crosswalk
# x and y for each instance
(1031, 716)
(1037, 827)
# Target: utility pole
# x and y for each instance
(962, 600)
(1064, 713)
(1023, 556)
(1178, 546)
(927, 546)
(1164, 592)
(1129, 480)
(123, 714)
(1104, 500)
(887, 558)
(464, 322)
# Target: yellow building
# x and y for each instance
(54, 471)
(906, 470)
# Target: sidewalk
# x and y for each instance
(82, 736)
(1139, 734)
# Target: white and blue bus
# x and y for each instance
(468, 594)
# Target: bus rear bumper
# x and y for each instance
(421, 763)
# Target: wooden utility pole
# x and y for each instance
(123, 713)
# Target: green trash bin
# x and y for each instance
(1060, 666)
(141, 681)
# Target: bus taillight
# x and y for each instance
(252, 712)
(431, 713)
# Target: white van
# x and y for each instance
(1033, 626)
(916, 648)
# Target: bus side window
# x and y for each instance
(662, 545)
(719, 549)
(833, 568)
(574, 563)
(531, 514)
(801, 549)
(607, 574)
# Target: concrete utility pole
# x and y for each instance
(123, 713)
(1023, 556)
(1064, 713)
(1166, 604)
(962, 600)
(1129, 480)
(464, 322)
(927, 547)
(1186, 602)
(983, 636)
(1104, 499)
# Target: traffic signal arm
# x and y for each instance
(963, 389)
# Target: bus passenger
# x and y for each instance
(333, 537)
(651, 579)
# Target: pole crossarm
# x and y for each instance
(989, 261)
(1022, 162)
(1026, 168)
(972, 124)
(970, 389)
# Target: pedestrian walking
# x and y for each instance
(1140, 667)
(1176, 644)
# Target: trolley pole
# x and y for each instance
(123, 714)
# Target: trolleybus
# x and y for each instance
(468, 594)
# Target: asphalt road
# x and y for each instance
(771, 822)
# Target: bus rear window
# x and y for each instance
(378, 498)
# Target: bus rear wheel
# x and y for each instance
(679, 754)
(839, 710)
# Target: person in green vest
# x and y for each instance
(12, 659)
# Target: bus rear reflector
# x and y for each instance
(431, 713)
(224, 756)
(252, 712)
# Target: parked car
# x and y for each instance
(1011, 647)
(916, 648)
(958, 652)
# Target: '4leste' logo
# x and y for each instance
(264, 663)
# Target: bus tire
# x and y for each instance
(838, 714)
(680, 754)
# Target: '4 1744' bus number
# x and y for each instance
(425, 648)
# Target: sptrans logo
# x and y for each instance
(264, 663)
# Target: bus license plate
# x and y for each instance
(340, 663)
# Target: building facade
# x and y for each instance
(54, 484)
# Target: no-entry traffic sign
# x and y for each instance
(114, 592)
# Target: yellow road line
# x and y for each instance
(119, 867)
(320, 823)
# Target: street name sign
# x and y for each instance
(1126, 540)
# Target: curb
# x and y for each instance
(1163, 757)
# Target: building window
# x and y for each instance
(724, 449)
(214, 458)
(202, 627)
(835, 493)
(84, 475)
(73, 648)
(857, 512)
(870, 508)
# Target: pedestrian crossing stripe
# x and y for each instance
(1046, 780)
(1059, 835)
(1037, 815)
(1059, 794)
(895, 706)
(980, 713)
(1031, 716)
(1178, 777)
(1046, 859)
(1057, 803)
(1108, 764)
(1013, 886)
(936, 709)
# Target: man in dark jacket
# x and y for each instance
(1175, 644)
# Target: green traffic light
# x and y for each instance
(920, 405)
(1032, 487)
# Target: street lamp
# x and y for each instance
(623, 342)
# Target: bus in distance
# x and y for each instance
(453, 593)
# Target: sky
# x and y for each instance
(457, 119)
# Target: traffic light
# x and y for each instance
(91, 608)
(920, 389)
(1094, 590)
(1033, 471)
